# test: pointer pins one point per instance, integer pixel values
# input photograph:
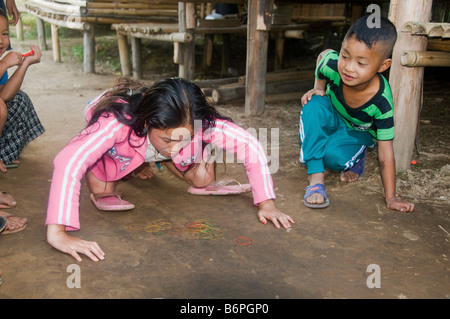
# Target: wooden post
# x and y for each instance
(279, 50)
(19, 29)
(226, 45)
(208, 49)
(41, 34)
(393, 5)
(186, 50)
(55, 43)
(136, 48)
(124, 55)
(406, 83)
(89, 49)
(258, 27)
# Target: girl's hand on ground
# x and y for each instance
(399, 205)
(268, 211)
(307, 96)
(144, 171)
(57, 237)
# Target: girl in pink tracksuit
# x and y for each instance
(131, 124)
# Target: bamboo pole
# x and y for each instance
(124, 12)
(407, 83)
(56, 6)
(425, 58)
(181, 37)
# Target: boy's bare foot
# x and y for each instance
(349, 176)
(352, 174)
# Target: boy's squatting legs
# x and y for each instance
(326, 141)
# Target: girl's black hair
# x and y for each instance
(167, 104)
(365, 31)
(3, 14)
(174, 102)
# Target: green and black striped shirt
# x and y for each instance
(375, 116)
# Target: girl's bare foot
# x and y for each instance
(13, 224)
(6, 200)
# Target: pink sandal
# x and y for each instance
(110, 202)
(221, 188)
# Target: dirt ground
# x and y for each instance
(337, 252)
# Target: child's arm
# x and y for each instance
(267, 210)
(319, 85)
(3, 114)
(58, 238)
(387, 166)
(10, 89)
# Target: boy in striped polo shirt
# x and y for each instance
(349, 109)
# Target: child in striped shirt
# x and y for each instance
(349, 108)
(123, 124)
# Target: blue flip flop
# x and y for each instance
(312, 189)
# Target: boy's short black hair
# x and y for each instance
(3, 14)
(365, 31)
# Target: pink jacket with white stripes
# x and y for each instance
(104, 147)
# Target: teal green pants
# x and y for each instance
(325, 139)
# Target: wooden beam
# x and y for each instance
(407, 83)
